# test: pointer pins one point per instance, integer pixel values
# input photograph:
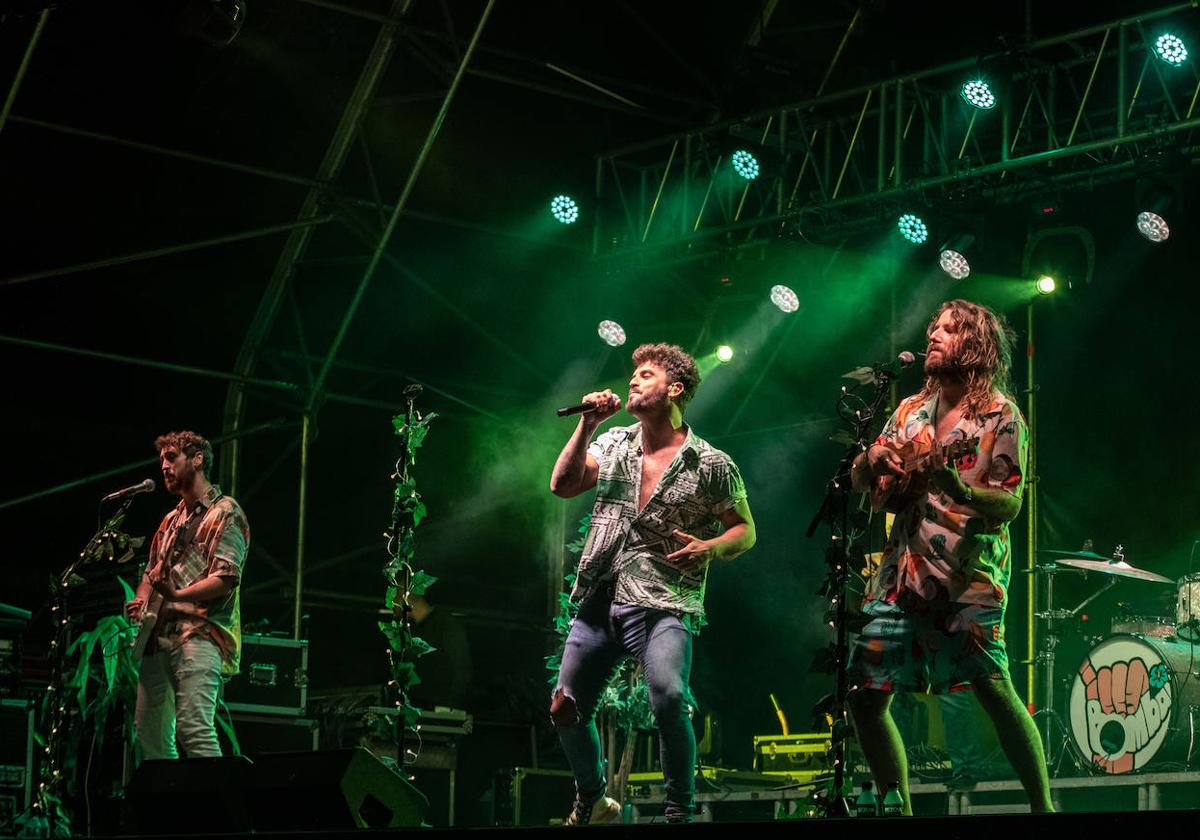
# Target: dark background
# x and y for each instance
(510, 333)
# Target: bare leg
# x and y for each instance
(880, 741)
(1019, 739)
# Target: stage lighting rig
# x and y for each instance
(1170, 49)
(612, 333)
(564, 209)
(978, 94)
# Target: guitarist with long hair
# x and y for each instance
(187, 605)
(951, 464)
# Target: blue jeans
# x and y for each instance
(601, 635)
(177, 698)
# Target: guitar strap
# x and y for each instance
(185, 534)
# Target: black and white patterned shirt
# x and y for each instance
(626, 549)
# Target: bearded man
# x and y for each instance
(195, 566)
(937, 602)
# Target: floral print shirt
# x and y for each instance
(940, 551)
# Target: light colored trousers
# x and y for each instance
(177, 696)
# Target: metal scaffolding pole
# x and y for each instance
(24, 67)
(184, 248)
(394, 220)
(209, 373)
(207, 160)
(298, 590)
(273, 296)
(132, 465)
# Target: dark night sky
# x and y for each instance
(1116, 383)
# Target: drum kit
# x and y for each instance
(1134, 698)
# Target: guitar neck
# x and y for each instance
(953, 452)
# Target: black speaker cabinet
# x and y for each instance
(331, 789)
(190, 796)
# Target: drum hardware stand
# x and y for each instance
(1046, 655)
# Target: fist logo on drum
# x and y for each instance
(1121, 704)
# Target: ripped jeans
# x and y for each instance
(601, 635)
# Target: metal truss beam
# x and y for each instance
(849, 156)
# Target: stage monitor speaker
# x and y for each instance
(331, 789)
(196, 796)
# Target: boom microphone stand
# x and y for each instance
(835, 512)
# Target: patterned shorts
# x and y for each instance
(938, 648)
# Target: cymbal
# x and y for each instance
(1109, 566)
(1080, 555)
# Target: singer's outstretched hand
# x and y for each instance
(694, 556)
(607, 404)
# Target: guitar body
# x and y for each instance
(149, 619)
(893, 493)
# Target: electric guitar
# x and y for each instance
(894, 493)
(145, 628)
(154, 603)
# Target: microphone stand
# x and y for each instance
(54, 721)
(835, 512)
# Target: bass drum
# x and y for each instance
(1133, 701)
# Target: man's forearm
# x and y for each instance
(993, 503)
(571, 465)
(208, 589)
(736, 540)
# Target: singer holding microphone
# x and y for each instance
(195, 565)
(937, 602)
(667, 505)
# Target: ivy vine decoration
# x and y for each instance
(408, 511)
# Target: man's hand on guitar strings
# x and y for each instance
(160, 579)
(133, 609)
(943, 474)
(883, 460)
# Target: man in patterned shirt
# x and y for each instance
(195, 563)
(937, 602)
(663, 495)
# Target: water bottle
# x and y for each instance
(865, 805)
(893, 802)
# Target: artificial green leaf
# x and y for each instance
(418, 647)
(421, 581)
(409, 715)
(129, 593)
(390, 598)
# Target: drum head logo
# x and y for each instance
(1121, 704)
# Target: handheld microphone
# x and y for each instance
(146, 486)
(581, 408)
